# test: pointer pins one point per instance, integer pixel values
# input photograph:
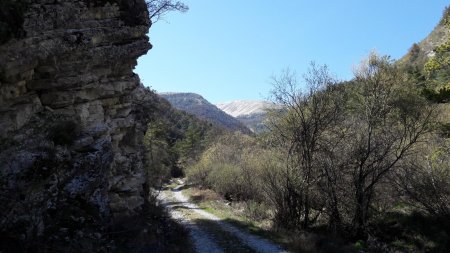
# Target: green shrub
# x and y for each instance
(257, 210)
(198, 174)
(226, 179)
(441, 95)
(235, 166)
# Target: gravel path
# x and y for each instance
(202, 241)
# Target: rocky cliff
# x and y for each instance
(72, 117)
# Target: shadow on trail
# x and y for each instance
(181, 187)
(239, 236)
(175, 207)
(174, 203)
(226, 240)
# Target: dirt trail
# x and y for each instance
(204, 240)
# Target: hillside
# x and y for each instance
(239, 108)
(420, 52)
(428, 62)
(251, 113)
(200, 107)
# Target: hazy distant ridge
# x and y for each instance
(195, 104)
(244, 107)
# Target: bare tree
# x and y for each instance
(158, 8)
(386, 118)
(425, 179)
(343, 140)
(310, 114)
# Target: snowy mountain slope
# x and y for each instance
(195, 104)
(239, 108)
(252, 113)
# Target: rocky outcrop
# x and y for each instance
(419, 53)
(71, 122)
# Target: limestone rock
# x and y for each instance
(71, 121)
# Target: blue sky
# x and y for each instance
(228, 49)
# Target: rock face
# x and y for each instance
(71, 122)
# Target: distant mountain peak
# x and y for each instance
(180, 94)
(197, 105)
(238, 108)
(250, 112)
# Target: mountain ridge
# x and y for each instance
(197, 105)
(423, 50)
(252, 113)
(237, 108)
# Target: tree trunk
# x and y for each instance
(359, 223)
(335, 221)
(306, 218)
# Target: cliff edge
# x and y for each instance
(72, 118)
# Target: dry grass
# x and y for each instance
(236, 213)
(200, 195)
(444, 112)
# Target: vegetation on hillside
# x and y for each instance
(350, 160)
(431, 69)
(195, 104)
(364, 163)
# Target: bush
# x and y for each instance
(227, 180)
(231, 166)
(426, 182)
(257, 210)
(198, 174)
